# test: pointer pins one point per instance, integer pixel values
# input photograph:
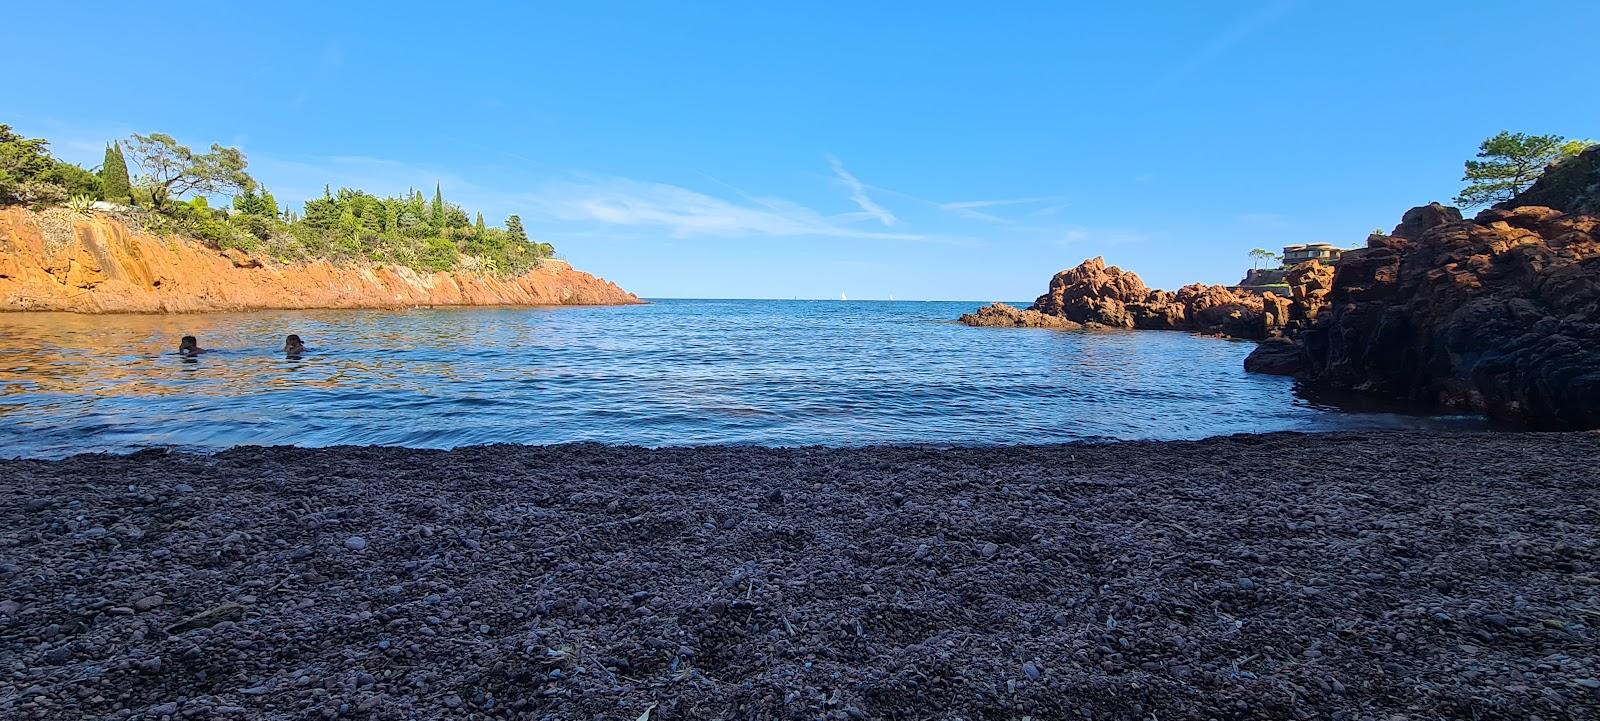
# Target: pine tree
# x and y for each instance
(480, 227)
(438, 208)
(269, 204)
(114, 185)
(514, 229)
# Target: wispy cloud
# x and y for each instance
(858, 193)
(687, 213)
(1100, 236)
(1235, 33)
(971, 208)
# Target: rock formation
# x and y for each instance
(1498, 314)
(58, 260)
(1094, 295)
(1000, 315)
(1309, 283)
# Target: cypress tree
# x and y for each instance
(438, 208)
(114, 185)
(514, 229)
(481, 228)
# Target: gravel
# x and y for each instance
(1283, 576)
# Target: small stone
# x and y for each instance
(183, 488)
(988, 550)
(355, 543)
(1031, 670)
(148, 602)
(166, 709)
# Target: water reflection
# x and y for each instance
(677, 372)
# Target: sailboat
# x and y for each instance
(841, 297)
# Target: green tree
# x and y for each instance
(1262, 255)
(23, 163)
(114, 185)
(479, 227)
(170, 170)
(438, 208)
(1508, 163)
(73, 180)
(514, 230)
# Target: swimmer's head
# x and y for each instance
(293, 344)
(188, 345)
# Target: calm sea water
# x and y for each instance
(676, 372)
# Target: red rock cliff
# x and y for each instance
(56, 260)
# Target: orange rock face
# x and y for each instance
(1095, 294)
(56, 261)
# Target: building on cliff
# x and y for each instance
(1293, 255)
(1296, 254)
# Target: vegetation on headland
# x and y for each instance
(166, 187)
(1509, 163)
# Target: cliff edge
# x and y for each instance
(59, 260)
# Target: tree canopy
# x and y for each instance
(114, 183)
(1509, 162)
(30, 174)
(1262, 255)
(170, 170)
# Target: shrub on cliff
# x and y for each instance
(29, 174)
(1510, 163)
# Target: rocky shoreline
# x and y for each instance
(1498, 314)
(1281, 576)
(58, 260)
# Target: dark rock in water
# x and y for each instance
(1499, 314)
(1277, 356)
(1000, 315)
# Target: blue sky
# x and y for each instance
(930, 150)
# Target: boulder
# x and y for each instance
(1000, 315)
(1420, 219)
(1277, 356)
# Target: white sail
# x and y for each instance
(841, 297)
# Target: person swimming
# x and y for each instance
(188, 346)
(293, 345)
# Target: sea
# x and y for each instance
(670, 373)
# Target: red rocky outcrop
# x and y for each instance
(1095, 295)
(1000, 315)
(1498, 314)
